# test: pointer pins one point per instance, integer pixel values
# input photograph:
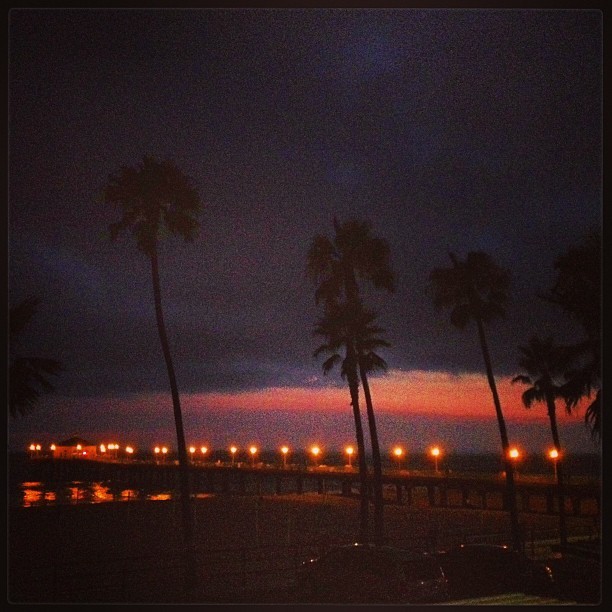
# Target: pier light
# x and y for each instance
(164, 450)
(253, 451)
(32, 447)
(233, 450)
(192, 451)
(349, 450)
(102, 448)
(554, 455)
(514, 455)
(157, 450)
(316, 451)
(53, 447)
(129, 450)
(203, 450)
(78, 447)
(435, 453)
(38, 447)
(284, 450)
(398, 451)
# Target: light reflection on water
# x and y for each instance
(41, 494)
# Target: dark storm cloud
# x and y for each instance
(449, 130)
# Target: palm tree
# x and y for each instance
(335, 265)
(578, 292)
(156, 196)
(367, 340)
(28, 376)
(336, 327)
(545, 365)
(476, 289)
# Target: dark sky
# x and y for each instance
(447, 129)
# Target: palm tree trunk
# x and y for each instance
(509, 468)
(379, 526)
(552, 415)
(190, 557)
(364, 509)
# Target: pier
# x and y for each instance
(446, 490)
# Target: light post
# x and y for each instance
(398, 452)
(315, 450)
(233, 450)
(203, 450)
(157, 450)
(285, 450)
(349, 451)
(164, 451)
(53, 447)
(514, 455)
(32, 451)
(191, 452)
(253, 451)
(435, 453)
(129, 450)
(554, 455)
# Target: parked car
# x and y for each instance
(478, 570)
(366, 573)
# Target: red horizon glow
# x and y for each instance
(452, 396)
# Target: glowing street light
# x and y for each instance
(102, 449)
(284, 450)
(554, 455)
(129, 450)
(435, 453)
(349, 451)
(316, 451)
(253, 451)
(233, 450)
(398, 451)
(514, 455)
(203, 450)
(192, 450)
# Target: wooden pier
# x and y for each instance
(441, 489)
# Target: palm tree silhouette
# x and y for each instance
(367, 340)
(578, 292)
(545, 365)
(334, 265)
(156, 196)
(28, 376)
(476, 289)
(336, 326)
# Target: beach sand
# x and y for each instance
(131, 551)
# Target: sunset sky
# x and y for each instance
(449, 130)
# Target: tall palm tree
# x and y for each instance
(336, 328)
(578, 292)
(476, 289)
(155, 197)
(335, 265)
(545, 365)
(28, 375)
(367, 340)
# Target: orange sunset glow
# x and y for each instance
(417, 392)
